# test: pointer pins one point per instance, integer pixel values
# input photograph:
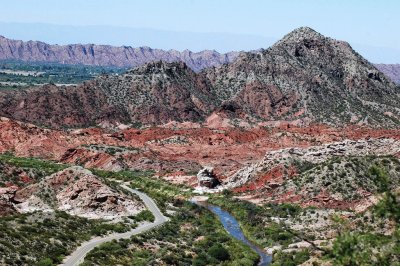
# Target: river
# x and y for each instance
(232, 226)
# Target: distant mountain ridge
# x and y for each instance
(126, 56)
(302, 79)
(106, 55)
(390, 70)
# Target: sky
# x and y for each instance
(369, 25)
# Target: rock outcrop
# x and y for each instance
(207, 178)
(164, 149)
(7, 195)
(315, 155)
(76, 191)
(152, 94)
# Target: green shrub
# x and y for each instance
(218, 252)
(291, 258)
(145, 215)
(45, 262)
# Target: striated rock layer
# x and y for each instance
(174, 150)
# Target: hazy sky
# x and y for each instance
(365, 22)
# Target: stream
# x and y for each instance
(232, 226)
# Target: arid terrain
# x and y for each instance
(303, 138)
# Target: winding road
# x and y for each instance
(79, 254)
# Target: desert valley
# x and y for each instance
(299, 143)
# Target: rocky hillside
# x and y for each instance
(74, 190)
(303, 78)
(338, 175)
(307, 77)
(106, 55)
(155, 93)
(57, 106)
(160, 92)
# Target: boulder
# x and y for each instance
(207, 178)
(6, 200)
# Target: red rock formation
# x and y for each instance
(168, 149)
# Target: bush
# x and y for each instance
(45, 262)
(218, 252)
(200, 260)
(290, 259)
(145, 215)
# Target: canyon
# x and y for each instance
(306, 129)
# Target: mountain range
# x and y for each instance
(299, 143)
(126, 56)
(303, 78)
(106, 55)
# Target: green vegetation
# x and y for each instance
(48, 167)
(103, 228)
(290, 258)
(161, 191)
(194, 236)
(145, 215)
(49, 73)
(354, 248)
(219, 252)
(256, 220)
(46, 238)
(22, 171)
(366, 246)
(6, 87)
(112, 150)
(261, 225)
(346, 176)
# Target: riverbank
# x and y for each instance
(193, 236)
(232, 226)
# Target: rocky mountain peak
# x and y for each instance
(300, 34)
(303, 40)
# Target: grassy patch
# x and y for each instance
(48, 167)
(27, 239)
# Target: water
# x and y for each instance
(232, 226)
